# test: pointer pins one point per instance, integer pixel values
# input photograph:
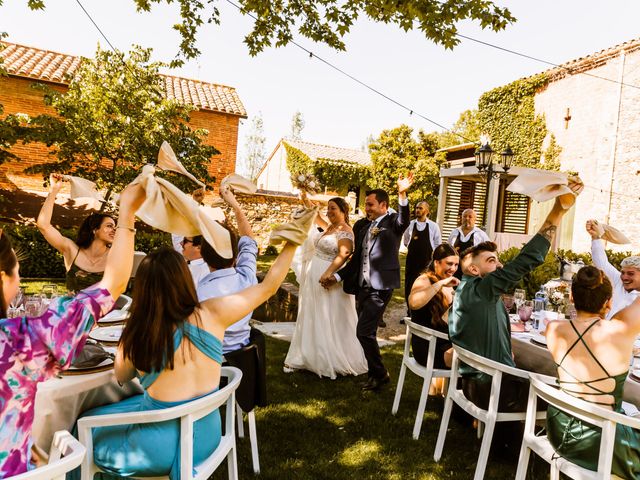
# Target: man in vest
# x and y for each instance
(466, 235)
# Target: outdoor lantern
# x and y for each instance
(483, 157)
(507, 158)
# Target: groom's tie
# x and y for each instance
(365, 280)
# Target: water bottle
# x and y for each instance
(539, 305)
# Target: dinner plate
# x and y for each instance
(115, 316)
(107, 334)
(635, 374)
(539, 340)
(106, 364)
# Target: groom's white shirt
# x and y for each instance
(364, 271)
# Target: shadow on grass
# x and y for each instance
(320, 428)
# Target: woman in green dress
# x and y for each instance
(592, 355)
(84, 259)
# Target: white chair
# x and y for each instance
(427, 372)
(188, 413)
(253, 435)
(489, 416)
(585, 411)
(65, 455)
(123, 303)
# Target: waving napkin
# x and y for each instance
(543, 186)
(237, 183)
(297, 230)
(167, 160)
(609, 233)
(169, 209)
(81, 188)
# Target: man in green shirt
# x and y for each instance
(479, 321)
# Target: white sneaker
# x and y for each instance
(288, 369)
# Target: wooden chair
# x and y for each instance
(65, 455)
(581, 409)
(188, 413)
(427, 372)
(488, 417)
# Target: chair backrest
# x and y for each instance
(251, 360)
(424, 332)
(123, 303)
(66, 454)
(137, 258)
(485, 365)
(588, 412)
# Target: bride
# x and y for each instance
(324, 341)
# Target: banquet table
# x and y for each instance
(60, 400)
(535, 358)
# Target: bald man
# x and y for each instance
(466, 235)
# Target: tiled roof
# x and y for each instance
(592, 61)
(327, 152)
(29, 62)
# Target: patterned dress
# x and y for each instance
(33, 350)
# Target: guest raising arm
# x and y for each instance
(84, 259)
(34, 349)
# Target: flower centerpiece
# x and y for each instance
(305, 182)
(558, 296)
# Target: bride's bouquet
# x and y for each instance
(305, 182)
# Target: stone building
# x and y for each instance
(219, 109)
(592, 107)
(275, 177)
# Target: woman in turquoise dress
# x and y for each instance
(592, 356)
(173, 344)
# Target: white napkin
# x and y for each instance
(609, 233)
(543, 186)
(81, 188)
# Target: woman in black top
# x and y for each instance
(430, 299)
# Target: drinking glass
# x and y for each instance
(50, 291)
(508, 301)
(17, 300)
(33, 306)
(520, 297)
(525, 310)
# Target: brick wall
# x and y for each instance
(601, 142)
(17, 96)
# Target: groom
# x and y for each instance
(374, 270)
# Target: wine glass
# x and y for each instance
(17, 300)
(525, 310)
(50, 291)
(520, 296)
(33, 306)
(508, 301)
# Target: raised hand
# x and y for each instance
(451, 282)
(227, 195)
(198, 195)
(567, 200)
(56, 180)
(404, 183)
(594, 229)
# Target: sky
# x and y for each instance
(437, 83)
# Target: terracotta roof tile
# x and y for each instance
(328, 152)
(23, 61)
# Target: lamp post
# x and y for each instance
(488, 170)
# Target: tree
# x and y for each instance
(297, 125)
(466, 129)
(254, 143)
(112, 121)
(328, 21)
(396, 152)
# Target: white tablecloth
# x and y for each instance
(538, 359)
(59, 401)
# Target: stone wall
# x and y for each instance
(600, 141)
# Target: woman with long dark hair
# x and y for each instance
(84, 259)
(592, 355)
(430, 299)
(325, 341)
(34, 349)
(173, 344)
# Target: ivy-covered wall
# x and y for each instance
(507, 114)
(334, 175)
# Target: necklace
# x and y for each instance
(97, 260)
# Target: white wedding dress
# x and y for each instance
(324, 341)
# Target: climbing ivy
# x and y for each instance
(333, 174)
(508, 115)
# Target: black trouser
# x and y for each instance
(370, 305)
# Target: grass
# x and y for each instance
(32, 287)
(328, 429)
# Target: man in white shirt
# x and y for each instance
(191, 252)
(626, 282)
(466, 235)
(420, 238)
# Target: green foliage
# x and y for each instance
(550, 269)
(297, 125)
(254, 147)
(507, 114)
(38, 259)
(466, 129)
(335, 175)
(112, 121)
(396, 152)
(328, 21)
